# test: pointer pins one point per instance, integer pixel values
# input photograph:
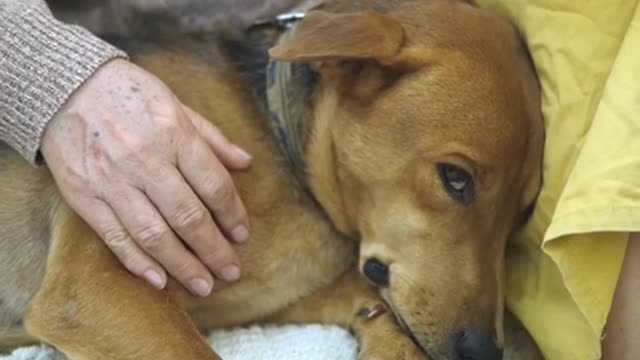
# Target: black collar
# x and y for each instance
(286, 103)
(289, 129)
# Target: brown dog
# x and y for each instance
(419, 152)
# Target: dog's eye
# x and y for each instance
(376, 272)
(457, 182)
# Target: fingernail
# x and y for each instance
(201, 287)
(155, 279)
(242, 153)
(240, 234)
(231, 273)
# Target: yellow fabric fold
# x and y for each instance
(563, 269)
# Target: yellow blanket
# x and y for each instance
(563, 269)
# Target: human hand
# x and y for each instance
(142, 169)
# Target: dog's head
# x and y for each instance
(427, 147)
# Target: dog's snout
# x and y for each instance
(470, 344)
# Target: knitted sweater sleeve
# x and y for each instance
(42, 62)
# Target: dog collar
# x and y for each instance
(282, 21)
(286, 128)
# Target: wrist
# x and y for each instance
(46, 62)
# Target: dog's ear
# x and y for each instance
(364, 51)
(324, 36)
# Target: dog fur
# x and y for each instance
(119, 16)
(401, 88)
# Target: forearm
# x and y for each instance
(622, 333)
(42, 62)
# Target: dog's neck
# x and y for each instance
(299, 115)
(284, 90)
(288, 93)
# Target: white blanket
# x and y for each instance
(309, 342)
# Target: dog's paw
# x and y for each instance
(381, 338)
(391, 348)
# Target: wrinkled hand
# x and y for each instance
(145, 171)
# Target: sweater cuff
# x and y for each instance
(42, 62)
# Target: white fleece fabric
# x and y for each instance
(290, 342)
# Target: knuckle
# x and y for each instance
(151, 237)
(188, 217)
(222, 191)
(132, 153)
(172, 111)
(187, 270)
(130, 142)
(104, 168)
(118, 240)
(115, 237)
(159, 172)
(216, 258)
(136, 151)
(130, 260)
(168, 118)
(170, 124)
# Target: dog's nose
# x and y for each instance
(470, 344)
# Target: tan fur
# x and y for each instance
(456, 89)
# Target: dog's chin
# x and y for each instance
(424, 346)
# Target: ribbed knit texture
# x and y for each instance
(42, 62)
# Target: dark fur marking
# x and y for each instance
(250, 57)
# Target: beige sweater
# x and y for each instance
(42, 62)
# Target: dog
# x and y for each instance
(382, 202)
